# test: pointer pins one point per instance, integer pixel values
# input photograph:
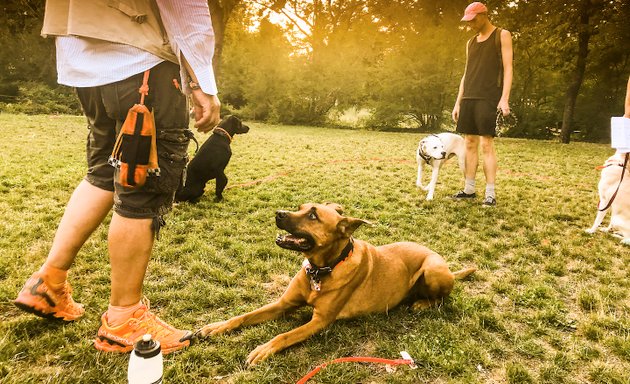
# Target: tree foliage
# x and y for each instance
(571, 65)
(399, 62)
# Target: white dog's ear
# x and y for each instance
(336, 207)
(423, 147)
(348, 225)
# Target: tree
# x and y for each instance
(220, 12)
(570, 60)
(603, 89)
(417, 79)
(394, 57)
(321, 76)
(401, 60)
(258, 72)
(26, 55)
(584, 29)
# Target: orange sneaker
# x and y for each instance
(143, 321)
(37, 297)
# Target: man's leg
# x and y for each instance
(489, 168)
(130, 242)
(47, 292)
(87, 208)
(137, 218)
(470, 167)
(472, 156)
(489, 159)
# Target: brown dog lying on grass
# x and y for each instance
(343, 277)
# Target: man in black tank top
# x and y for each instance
(484, 89)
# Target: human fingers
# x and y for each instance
(206, 115)
(215, 110)
(204, 123)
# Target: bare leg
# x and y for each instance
(47, 292)
(130, 242)
(85, 211)
(489, 159)
(472, 156)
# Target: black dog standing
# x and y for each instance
(210, 161)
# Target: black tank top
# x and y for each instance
(482, 70)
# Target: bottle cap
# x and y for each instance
(147, 347)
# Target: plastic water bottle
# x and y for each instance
(145, 362)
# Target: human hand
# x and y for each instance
(206, 110)
(455, 113)
(504, 107)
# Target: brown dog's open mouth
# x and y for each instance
(295, 242)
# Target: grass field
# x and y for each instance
(549, 303)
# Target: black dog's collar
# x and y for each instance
(223, 132)
(316, 273)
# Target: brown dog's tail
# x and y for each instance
(461, 274)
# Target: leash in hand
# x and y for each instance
(505, 123)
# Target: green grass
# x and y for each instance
(549, 304)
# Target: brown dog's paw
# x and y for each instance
(423, 304)
(213, 329)
(262, 352)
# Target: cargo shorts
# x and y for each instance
(106, 108)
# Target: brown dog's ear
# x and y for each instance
(336, 207)
(348, 225)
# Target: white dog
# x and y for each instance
(434, 150)
(608, 184)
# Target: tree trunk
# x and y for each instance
(584, 35)
(220, 12)
(218, 25)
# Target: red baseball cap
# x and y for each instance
(473, 9)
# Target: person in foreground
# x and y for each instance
(483, 90)
(106, 65)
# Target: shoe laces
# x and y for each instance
(152, 324)
(64, 293)
(66, 290)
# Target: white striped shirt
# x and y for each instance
(85, 62)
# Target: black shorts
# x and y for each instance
(477, 117)
(106, 108)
